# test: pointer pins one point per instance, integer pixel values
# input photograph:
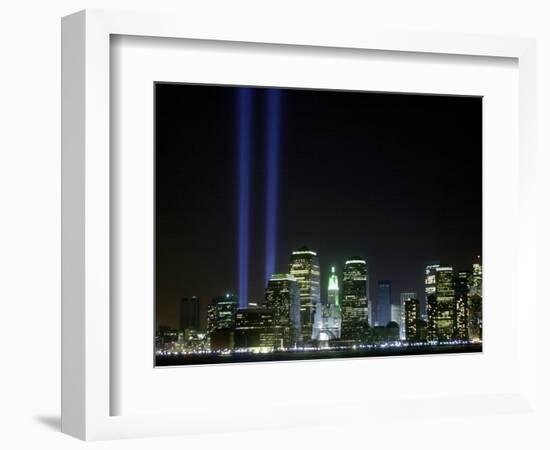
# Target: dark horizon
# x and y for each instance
(393, 178)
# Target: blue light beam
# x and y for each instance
(272, 180)
(244, 118)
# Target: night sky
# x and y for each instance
(393, 178)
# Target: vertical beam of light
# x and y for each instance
(244, 118)
(272, 180)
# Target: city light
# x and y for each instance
(296, 321)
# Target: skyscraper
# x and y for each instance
(383, 303)
(254, 329)
(475, 303)
(333, 289)
(429, 284)
(442, 306)
(282, 297)
(411, 315)
(221, 321)
(355, 311)
(189, 314)
(402, 299)
(462, 288)
(221, 312)
(328, 316)
(304, 266)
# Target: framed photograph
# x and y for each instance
(272, 227)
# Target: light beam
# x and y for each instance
(244, 118)
(272, 180)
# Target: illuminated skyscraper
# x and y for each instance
(462, 287)
(304, 266)
(221, 312)
(333, 289)
(189, 314)
(383, 303)
(328, 316)
(355, 312)
(442, 306)
(411, 315)
(429, 284)
(221, 321)
(402, 299)
(254, 329)
(282, 297)
(476, 283)
(475, 303)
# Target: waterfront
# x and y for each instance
(296, 355)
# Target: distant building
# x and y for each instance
(355, 310)
(192, 340)
(411, 323)
(476, 284)
(383, 303)
(166, 338)
(255, 329)
(380, 334)
(395, 313)
(462, 288)
(429, 285)
(475, 303)
(282, 297)
(221, 321)
(328, 316)
(189, 314)
(442, 306)
(304, 266)
(403, 297)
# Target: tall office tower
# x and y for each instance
(476, 283)
(355, 306)
(429, 285)
(475, 303)
(304, 266)
(333, 289)
(442, 307)
(189, 314)
(403, 297)
(411, 315)
(395, 313)
(255, 330)
(462, 289)
(221, 321)
(327, 324)
(221, 312)
(282, 297)
(383, 303)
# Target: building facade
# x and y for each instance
(282, 297)
(189, 314)
(429, 284)
(442, 306)
(327, 323)
(355, 305)
(255, 329)
(403, 297)
(475, 303)
(462, 288)
(221, 321)
(411, 315)
(304, 267)
(383, 303)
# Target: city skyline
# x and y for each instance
(248, 180)
(293, 323)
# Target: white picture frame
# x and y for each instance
(86, 217)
